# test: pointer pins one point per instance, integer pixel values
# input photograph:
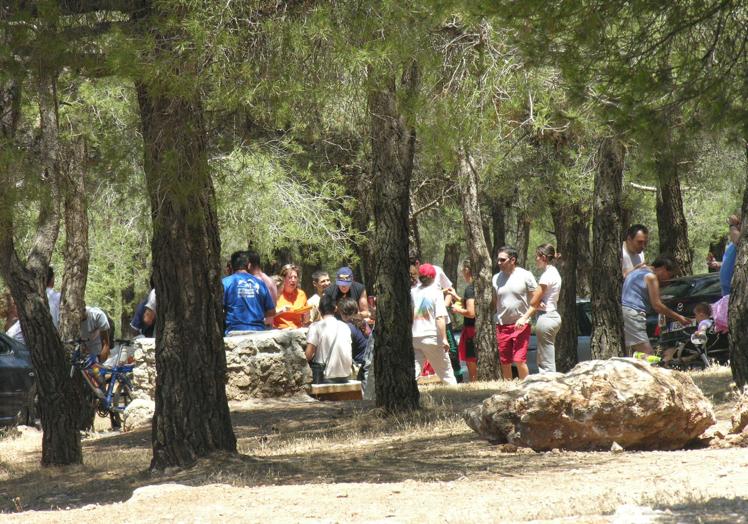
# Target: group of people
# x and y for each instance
(95, 327)
(336, 314)
(339, 316)
(517, 298)
(642, 284)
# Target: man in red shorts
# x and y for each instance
(512, 290)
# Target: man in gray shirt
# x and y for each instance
(512, 290)
(95, 331)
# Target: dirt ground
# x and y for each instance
(306, 461)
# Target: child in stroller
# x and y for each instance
(695, 346)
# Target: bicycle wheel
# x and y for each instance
(121, 397)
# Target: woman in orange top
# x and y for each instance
(291, 310)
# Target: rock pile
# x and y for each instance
(597, 403)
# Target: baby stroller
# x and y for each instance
(686, 349)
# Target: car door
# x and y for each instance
(16, 378)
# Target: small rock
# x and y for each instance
(138, 413)
(740, 414)
(616, 448)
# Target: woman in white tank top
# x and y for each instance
(544, 300)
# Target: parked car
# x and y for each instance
(17, 384)
(584, 321)
(682, 294)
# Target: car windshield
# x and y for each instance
(692, 286)
(679, 288)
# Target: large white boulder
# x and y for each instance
(597, 403)
(261, 364)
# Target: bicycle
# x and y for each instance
(111, 386)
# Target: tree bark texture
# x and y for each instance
(523, 236)
(451, 263)
(498, 219)
(607, 319)
(671, 220)
(192, 417)
(75, 274)
(414, 235)
(480, 264)
(584, 257)
(76, 254)
(569, 223)
(738, 309)
(392, 149)
(27, 281)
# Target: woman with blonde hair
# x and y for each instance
(544, 300)
(291, 310)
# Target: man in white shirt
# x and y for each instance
(632, 250)
(429, 325)
(329, 345)
(512, 289)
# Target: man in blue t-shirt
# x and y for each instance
(246, 299)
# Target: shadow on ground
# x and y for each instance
(297, 442)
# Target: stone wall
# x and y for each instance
(260, 365)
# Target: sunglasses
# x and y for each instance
(501, 260)
(289, 267)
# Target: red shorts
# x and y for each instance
(513, 343)
(466, 348)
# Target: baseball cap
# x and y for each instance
(427, 270)
(344, 277)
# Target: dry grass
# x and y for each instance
(299, 443)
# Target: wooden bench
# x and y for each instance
(350, 390)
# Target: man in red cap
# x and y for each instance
(430, 326)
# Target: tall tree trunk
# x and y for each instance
(626, 213)
(738, 309)
(414, 235)
(569, 223)
(60, 439)
(75, 274)
(392, 150)
(451, 263)
(607, 318)
(480, 264)
(361, 223)
(584, 257)
(523, 237)
(498, 219)
(76, 253)
(671, 220)
(192, 416)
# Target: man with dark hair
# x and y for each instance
(346, 286)
(144, 318)
(633, 248)
(328, 348)
(512, 289)
(320, 281)
(255, 268)
(641, 292)
(246, 299)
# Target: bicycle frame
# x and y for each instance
(90, 369)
